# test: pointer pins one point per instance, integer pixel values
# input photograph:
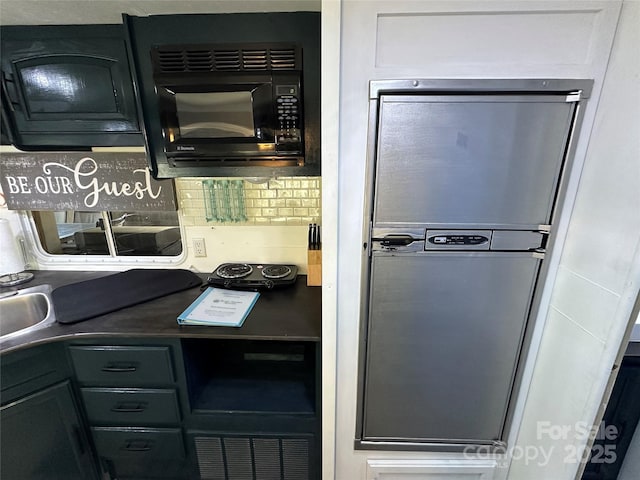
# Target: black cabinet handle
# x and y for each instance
(138, 445)
(129, 407)
(119, 369)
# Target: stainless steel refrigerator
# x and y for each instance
(464, 177)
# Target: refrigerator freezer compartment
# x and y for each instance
(464, 159)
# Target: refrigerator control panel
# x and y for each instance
(458, 239)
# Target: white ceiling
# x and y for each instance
(60, 12)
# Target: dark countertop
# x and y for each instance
(290, 313)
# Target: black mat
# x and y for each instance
(84, 300)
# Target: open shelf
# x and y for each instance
(250, 376)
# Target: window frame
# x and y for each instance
(54, 261)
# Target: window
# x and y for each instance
(116, 234)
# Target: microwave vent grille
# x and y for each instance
(254, 60)
(283, 59)
(226, 60)
(175, 60)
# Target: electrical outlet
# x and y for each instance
(199, 249)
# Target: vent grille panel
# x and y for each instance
(283, 59)
(295, 457)
(226, 60)
(204, 58)
(252, 458)
(210, 461)
(255, 60)
(266, 453)
(199, 60)
(238, 454)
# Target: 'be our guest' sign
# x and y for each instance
(83, 181)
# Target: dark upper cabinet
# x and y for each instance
(6, 138)
(68, 87)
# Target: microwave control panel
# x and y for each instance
(288, 135)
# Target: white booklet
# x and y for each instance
(219, 307)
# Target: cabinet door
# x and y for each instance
(42, 438)
(30, 370)
(68, 86)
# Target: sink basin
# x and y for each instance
(25, 310)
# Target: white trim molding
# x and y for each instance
(435, 469)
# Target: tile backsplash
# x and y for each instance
(280, 201)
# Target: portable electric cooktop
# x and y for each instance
(252, 276)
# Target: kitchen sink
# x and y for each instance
(25, 310)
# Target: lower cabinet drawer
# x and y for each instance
(122, 365)
(138, 443)
(131, 406)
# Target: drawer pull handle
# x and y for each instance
(129, 407)
(119, 369)
(138, 445)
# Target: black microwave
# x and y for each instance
(230, 104)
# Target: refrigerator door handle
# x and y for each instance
(397, 240)
(400, 242)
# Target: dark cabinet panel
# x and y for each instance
(6, 137)
(42, 438)
(68, 86)
(619, 424)
(131, 406)
(135, 452)
(137, 431)
(27, 371)
(140, 443)
(122, 365)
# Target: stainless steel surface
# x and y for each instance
(516, 240)
(448, 327)
(537, 85)
(444, 335)
(415, 240)
(25, 310)
(469, 160)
